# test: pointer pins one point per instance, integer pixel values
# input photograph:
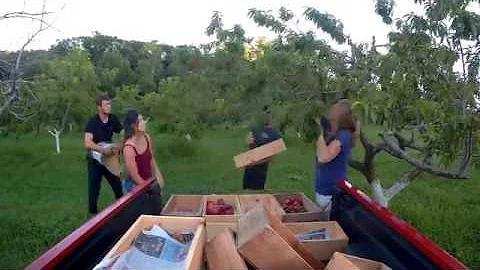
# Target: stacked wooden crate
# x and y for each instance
(259, 234)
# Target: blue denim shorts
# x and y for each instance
(128, 185)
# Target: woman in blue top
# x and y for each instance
(332, 156)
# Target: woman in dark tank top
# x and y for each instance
(140, 163)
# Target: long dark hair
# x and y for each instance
(131, 120)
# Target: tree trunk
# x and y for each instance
(57, 141)
(378, 193)
(56, 134)
(37, 129)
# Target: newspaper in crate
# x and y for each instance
(154, 249)
(318, 234)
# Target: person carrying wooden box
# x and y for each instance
(255, 175)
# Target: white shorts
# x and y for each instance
(324, 201)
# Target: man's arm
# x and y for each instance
(90, 145)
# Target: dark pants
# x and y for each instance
(255, 176)
(95, 173)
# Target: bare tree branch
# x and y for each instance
(367, 168)
(14, 86)
(404, 143)
(23, 14)
(402, 183)
(357, 165)
(393, 148)
(65, 116)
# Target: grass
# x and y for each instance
(43, 196)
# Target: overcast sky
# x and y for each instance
(178, 22)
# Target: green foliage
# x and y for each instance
(227, 82)
(128, 98)
(183, 106)
(66, 90)
(328, 23)
(267, 20)
(417, 78)
(384, 8)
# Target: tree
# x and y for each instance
(412, 87)
(418, 91)
(13, 99)
(66, 89)
(113, 71)
(300, 68)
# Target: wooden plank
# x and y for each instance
(342, 261)
(259, 153)
(221, 252)
(339, 262)
(251, 201)
(112, 163)
(194, 260)
(212, 229)
(251, 224)
(290, 238)
(260, 252)
(257, 241)
(365, 264)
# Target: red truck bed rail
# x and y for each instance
(434, 252)
(69, 244)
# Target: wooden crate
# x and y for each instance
(230, 199)
(259, 244)
(212, 229)
(288, 236)
(221, 252)
(313, 212)
(259, 153)
(196, 224)
(322, 249)
(342, 261)
(184, 205)
(251, 201)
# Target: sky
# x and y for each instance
(179, 22)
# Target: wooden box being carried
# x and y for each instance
(231, 200)
(259, 153)
(194, 258)
(312, 211)
(184, 205)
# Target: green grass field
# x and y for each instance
(43, 196)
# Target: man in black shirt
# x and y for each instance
(100, 129)
(255, 175)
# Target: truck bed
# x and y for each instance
(374, 233)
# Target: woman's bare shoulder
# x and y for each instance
(129, 141)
